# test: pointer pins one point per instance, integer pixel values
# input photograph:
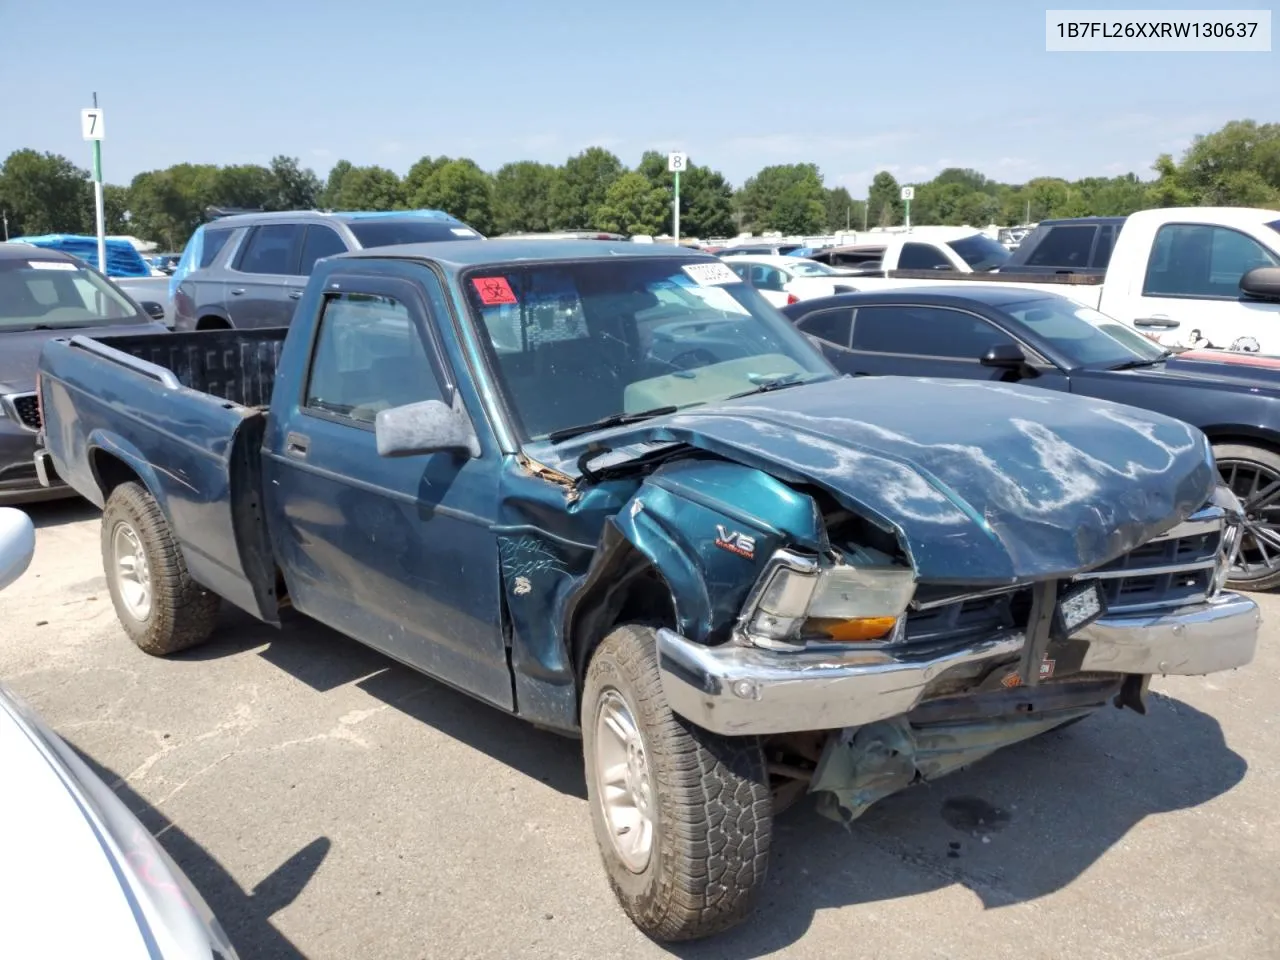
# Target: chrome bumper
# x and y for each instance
(735, 689)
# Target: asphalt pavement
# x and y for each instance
(330, 803)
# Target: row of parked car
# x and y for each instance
(611, 488)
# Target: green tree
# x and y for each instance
(45, 193)
(1238, 165)
(333, 184)
(115, 209)
(632, 204)
(245, 185)
(292, 186)
(884, 200)
(581, 187)
(167, 205)
(706, 199)
(369, 188)
(460, 188)
(419, 182)
(843, 212)
(522, 197)
(787, 197)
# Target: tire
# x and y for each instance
(1257, 567)
(710, 812)
(160, 607)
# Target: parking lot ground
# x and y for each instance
(330, 803)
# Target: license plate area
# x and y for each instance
(1079, 605)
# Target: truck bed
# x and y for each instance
(185, 414)
(235, 365)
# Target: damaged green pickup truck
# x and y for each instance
(607, 488)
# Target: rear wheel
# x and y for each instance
(160, 607)
(1253, 474)
(682, 816)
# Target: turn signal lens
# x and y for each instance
(853, 631)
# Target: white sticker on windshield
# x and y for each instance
(710, 274)
(463, 232)
(51, 265)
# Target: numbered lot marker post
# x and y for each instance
(677, 160)
(92, 129)
(908, 194)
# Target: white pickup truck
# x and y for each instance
(1185, 276)
(961, 249)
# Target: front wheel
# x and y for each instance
(1253, 474)
(682, 816)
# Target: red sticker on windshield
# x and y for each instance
(494, 290)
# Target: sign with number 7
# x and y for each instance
(91, 123)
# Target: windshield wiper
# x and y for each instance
(771, 383)
(1139, 362)
(617, 420)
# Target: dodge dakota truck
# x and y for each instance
(607, 488)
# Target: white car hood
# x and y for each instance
(80, 876)
(54, 860)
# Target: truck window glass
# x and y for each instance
(212, 243)
(321, 241)
(1102, 249)
(1065, 246)
(766, 278)
(925, 332)
(1202, 260)
(368, 357)
(571, 343)
(980, 252)
(270, 249)
(921, 256)
(833, 326)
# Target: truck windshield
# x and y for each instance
(809, 269)
(1081, 334)
(56, 294)
(572, 343)
(980, 252)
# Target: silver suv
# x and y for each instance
(249, 269)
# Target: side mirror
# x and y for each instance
(1005, 355)
(17, 544)
(426, 427)
(152, 309)
(1261, 283)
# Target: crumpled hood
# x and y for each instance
(983, 483)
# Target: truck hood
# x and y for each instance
(20, 349)
(982, 483)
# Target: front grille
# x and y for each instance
(27, 409)
(1172, 570)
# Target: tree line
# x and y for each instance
(1238, 165)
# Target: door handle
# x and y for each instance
(295, 294)
(1160, 323)
(237, 291)
(296, 446)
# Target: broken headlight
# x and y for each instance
(798, 601)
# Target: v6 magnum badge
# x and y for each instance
(735, 542)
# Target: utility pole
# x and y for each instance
(1027, 218)
(91, 128)
(5, 215)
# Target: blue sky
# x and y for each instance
(854, 86)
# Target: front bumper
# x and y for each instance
(743, 690)
(19, 480)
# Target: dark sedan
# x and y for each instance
(46, 294)
(1045, 340)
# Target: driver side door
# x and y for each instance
(397, 552)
